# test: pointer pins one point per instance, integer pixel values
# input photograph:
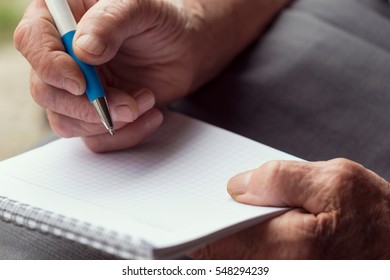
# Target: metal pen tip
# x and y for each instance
(101, 107)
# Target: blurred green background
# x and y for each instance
(11, 12)
(23, 123)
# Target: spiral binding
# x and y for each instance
(123, 246)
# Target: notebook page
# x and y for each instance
(167, 190)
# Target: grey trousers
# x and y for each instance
(315, 85)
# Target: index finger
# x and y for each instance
(38, 40)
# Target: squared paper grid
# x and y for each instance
(179, 176)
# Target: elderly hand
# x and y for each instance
(341, 211)
(146, 49)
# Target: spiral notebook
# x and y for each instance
(158, 200)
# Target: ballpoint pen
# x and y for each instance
(66, 26)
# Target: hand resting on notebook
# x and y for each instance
(144, 49)
(157, 51)
(341, 211)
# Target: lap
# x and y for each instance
(315, 86)
(20, 243)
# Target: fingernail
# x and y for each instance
(155, 118)
(239, 183)
(91, 44)
(123, 113)
(145, 101)
(71, 86)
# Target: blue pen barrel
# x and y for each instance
(94, 86)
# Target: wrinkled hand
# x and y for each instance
(341, 211)
(144, 48)
(148, 51)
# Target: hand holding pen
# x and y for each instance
(66, 25)
(58, 84)
(161, 48)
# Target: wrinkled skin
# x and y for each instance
(341, 210)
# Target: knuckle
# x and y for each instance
(270, 173)
(272, 165)
(24, 36)
(27, 40)
(35, 88)
(343, 176)
(274, 168)
(344, 169)
(38, 90)
(24, 30)
(21, 35)
(41, 49)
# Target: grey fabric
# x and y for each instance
(17, 243)
(315, 86)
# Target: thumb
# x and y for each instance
(286, 183)
(104, 27)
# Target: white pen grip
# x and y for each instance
(62, 15)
